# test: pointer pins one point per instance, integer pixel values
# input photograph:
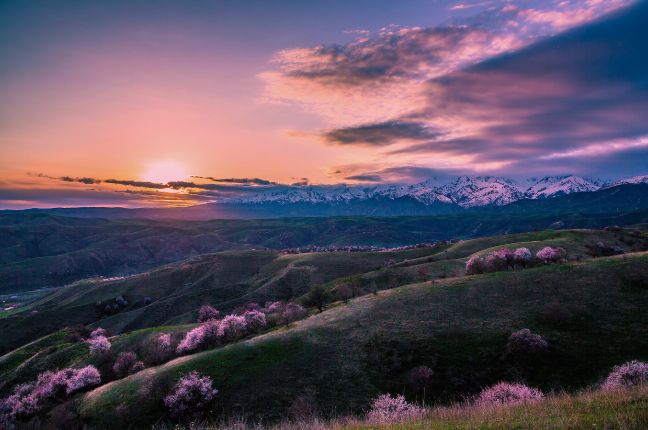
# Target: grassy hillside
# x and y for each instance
(41, 250)
(592, 313)
(229, 279)
(225, 279)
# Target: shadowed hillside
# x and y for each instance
(39, 250)
(457, 325)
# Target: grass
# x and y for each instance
(589, 409)
(592, 312)
(459, 327)
(225, 279)
(50, 352)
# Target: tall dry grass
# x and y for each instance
(590, 409)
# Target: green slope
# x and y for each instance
(40, 250)
(225, 279)
(592, 313)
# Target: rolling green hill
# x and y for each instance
(348, 354)
(228, 279)
(591, 311)
(225, 279)
(40, 250)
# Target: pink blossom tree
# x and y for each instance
(551, 255)
(475, 265)
(210, 335)
(164, 342)
(190, 396)
(293, 312)
(627, 375)
(50, 387)
(98, 345)
(207, 313)
(255, 320)
(126, 364)
(500, 259)
(507, 393)
(99, 332)
(386, 409)
(232, 327)
(82, 379)
(17, 405)
(524, 343)
(522, 257)
(274, 307)
(192, 340)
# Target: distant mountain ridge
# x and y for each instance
(428, 198)
(463, 191)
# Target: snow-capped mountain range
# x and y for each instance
(464, 191)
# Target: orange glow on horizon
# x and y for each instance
(165, 171)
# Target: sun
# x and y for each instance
(165, 171)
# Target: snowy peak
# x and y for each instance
(464, 191)
(470, 191)
(643, 179)
(554, 186)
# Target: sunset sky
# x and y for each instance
(139, 103)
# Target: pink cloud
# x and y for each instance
(374, 79)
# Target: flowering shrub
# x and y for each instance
(388, 409)
(504, 258)
(127, 364)
(498, 260)
(99, 332)
(522, 257)
(51, 385)
(210, 331)
(274, 307)
(475, 265)
(98, 345)
(83, 378)
(28, 399)
(551, 255)
(192, 340)
(159, 349)
(232, 327)
(419, 377)
(164, 342)
(19, 404)
(190, 395)
(293, 312)
(506, 393)
(627, 375)
(255, 320)
(207, 313)
(525, 343)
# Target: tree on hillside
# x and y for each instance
(207, 313)
(318, 297)
(344, 292)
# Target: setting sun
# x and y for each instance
(165, 171)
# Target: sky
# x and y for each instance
(148, 103)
